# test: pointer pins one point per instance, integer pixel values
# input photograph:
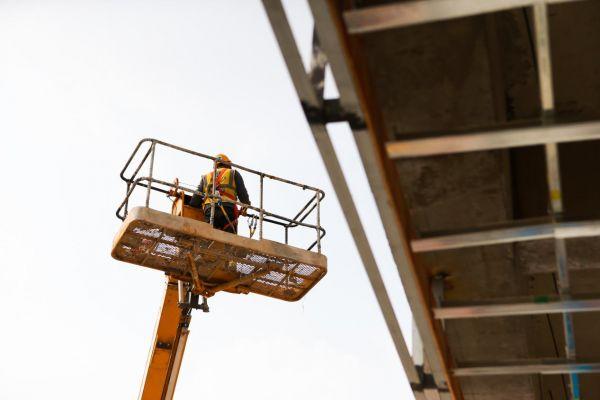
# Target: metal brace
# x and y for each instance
(194, 303)
(427, 385)
(189, 300)
(332, 111)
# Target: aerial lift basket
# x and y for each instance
(209, 260)
(223, 261)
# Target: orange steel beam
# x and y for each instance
(421, 294)
(167, 348)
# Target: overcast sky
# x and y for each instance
(81, 82)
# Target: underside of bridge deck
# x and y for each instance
(480, 73)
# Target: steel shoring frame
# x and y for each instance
(309, 96)
(514, 309)
(521, 231)
(528, 367)
(544, 67)
(334, 46)
(492, 140)
(453, 10)
(402, 14)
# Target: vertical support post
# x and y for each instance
(542, 40)
(127, 198)
(544, 60)
(319, 222)
(286, 235)
(318, 62)
(564, 282)
(214, 189)
(261, 214)
(553, 176)
(150, 174)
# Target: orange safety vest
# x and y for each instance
(225, 185)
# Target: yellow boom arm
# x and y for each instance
(167, 348)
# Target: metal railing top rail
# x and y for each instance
(206, 156)
(153, 184)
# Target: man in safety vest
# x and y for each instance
(230, 186)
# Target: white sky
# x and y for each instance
(80, 83)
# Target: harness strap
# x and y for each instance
(218, 182)
(221, 175)
(232, 224)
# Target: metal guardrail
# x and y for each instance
(263, 216)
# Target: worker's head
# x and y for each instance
(223, 157)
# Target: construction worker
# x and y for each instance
(230, 186)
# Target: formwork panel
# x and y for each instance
(162, 241)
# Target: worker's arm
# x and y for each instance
(196, 198)
(241, 188)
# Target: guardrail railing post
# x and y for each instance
(262, 210)
(319, 222)
(214, 188)
(127, 198)
(150, 175)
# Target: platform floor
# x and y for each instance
(163, 241)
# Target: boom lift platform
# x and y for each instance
(200, 261)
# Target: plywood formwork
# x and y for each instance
(224, 261)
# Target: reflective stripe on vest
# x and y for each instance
(225, 185)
